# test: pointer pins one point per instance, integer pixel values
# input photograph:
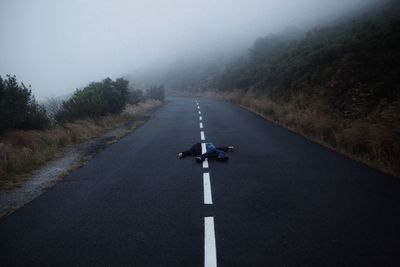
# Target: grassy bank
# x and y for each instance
(24, 151)
(371, 140)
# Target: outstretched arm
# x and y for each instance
(185, 153)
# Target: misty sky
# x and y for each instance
(57, 46)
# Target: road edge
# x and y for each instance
(73, 158)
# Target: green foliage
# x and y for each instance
(135, 96)
(156, 92)
(96, 99)
(18, 107)
(359, 53)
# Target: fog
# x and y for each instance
(57, 46)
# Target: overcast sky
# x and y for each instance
(57, 46)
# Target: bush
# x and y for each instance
(116, 94)
(95, 100)
(18, 107)
(135, 96)
(156, 92)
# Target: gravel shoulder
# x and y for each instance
(54, 171)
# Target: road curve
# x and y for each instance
(281, 200)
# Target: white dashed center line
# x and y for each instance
(210, 251)
(205, 164)
(207, 188)
(203, 150)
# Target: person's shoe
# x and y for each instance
(230, 148)
(180, 155)
(199, 159)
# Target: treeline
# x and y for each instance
(20, 110)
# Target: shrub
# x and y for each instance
(135, 96)
(95, 100)
(156, 92)
(18, 107)
(116, 94)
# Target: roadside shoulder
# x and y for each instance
(73, 157)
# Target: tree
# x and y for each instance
(96, 99)
(135, 96)
(18, 107)
(116, 94)
(156, 92)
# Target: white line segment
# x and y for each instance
(205, 164)
(201, 125)
(210, 251)
(201, 118)
(199, 112)
(203, 150)
(202, 136)
(207, 188)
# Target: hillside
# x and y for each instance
(361, 54)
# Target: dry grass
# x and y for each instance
(23, 151)
(140, 109)
(369, 140)
(374, 144)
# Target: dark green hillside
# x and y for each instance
(363, 53)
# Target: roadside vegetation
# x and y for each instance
(32, 134)
(338, 84)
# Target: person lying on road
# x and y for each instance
(219, 153)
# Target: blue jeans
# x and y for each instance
(212, 152)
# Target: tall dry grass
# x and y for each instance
(369, 140)
(23, 151)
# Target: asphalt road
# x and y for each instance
(281, 200)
